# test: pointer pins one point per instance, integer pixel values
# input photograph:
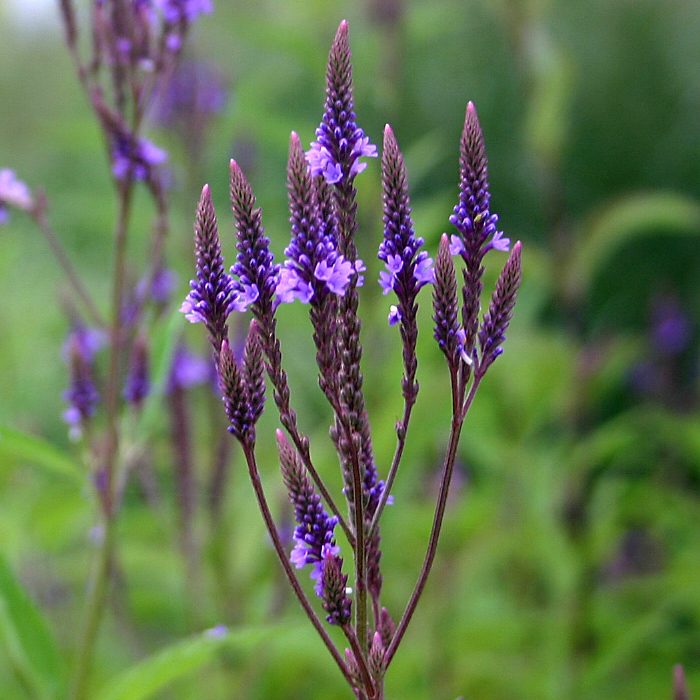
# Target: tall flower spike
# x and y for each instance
(340, 143)
(407, 267)
(256, 274)
(445, 308)
(210, 298)
(254, 373)
(233, 392)
(314, 267)
(497, 318)
(472, 217)
(314, 535)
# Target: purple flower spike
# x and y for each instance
(340, 143)
(407, 267)
(211, 295)
(314, 535)
(13, 193)
(333, 589)
(314, 267)
(472, 217)
(448, 333)
(233, 392)
(497, 318)
(256, 275)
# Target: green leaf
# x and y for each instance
(35, 451)
(152, 675)
(30, 646)
(626, 219)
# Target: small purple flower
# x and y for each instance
(394, 315)
(338, 275)
(137, 157)
(340, 143)
(13, 193)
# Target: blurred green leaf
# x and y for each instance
(31, 449)
(628, 218)
(27, 638)
(148, 677)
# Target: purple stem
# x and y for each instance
(459, 410)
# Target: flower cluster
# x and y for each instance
(314, 266)
(340, 143)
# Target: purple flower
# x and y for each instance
(394, 315)
(187, 370)
(13, 193)
(137, 157)
(340, 143)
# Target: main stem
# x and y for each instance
(100, 585)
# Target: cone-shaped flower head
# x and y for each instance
(254, 373)
(448, 333)
(314, 535)
(340, 143)
(211, 294)
(138, 383)
(334, 589)
(256, 274)
(493, 329)
(476, 225)
(472, 216)
(407, 267)
(314, 267)
(233, 393)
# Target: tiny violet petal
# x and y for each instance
(394, 315)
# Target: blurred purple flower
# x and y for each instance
(13, 193)
(136, 156)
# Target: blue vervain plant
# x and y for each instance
(322, 270)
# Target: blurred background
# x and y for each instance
(571, 550)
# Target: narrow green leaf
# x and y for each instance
(35, 451)
(152, 675)
(30, 646)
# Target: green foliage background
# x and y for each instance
(570, 558)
